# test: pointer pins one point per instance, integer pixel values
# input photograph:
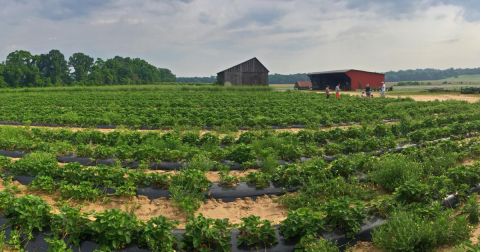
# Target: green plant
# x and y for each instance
(186, 199)
(260, 180)
(226, 179)
(346, 214)
(115, 229)
(201, 162)
(85, 190)
(269, 164)
(407, 231)
(206, 234)
(157, 234)
(70, 221)
(57, 244)
(394, 171)
(472, 209)
(412, 191)
(254, 231)
(43, 183)
(28, 212)
(16, 240)
(302, 222)
(310, 243)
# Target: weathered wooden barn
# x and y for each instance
(349, 79)
(249, 73)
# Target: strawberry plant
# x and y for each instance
(345, 214)
(190, 138)
(157, 234)
(84, 190)
(254, 232)
(226, 179)
(115, 229)
(72, 223)
(301, 222)
(289, 175)
(83, 150)
(228, 140)
(57, 244)
(28, 212)
(260, 180)
(206, 234)
(240, 153)
(43, 183)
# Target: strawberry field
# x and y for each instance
(238, 170)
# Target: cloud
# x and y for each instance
(202, 37)
(259, 17)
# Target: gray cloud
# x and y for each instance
(260, 17)
(202, 37)
(406, 8)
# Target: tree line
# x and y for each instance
(23, 69)
(428, 74)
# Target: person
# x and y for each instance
(367, 90)
(362, 95)
(327, 91)
(383, 89)
(337, 91)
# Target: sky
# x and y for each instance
(203, 37)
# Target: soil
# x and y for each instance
(459, 97)
(201, 132)
(145, 209)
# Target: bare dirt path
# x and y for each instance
(146, 209)
(442, 97)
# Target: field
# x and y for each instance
(238, 169)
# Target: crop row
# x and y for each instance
(228, 109)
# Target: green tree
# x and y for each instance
(82, 64)
(54, 66)
(21, 70)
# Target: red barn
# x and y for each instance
(349, 79)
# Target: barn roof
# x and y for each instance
(341, 71)
(304, 83)
(254, 58)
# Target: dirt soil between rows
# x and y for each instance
(145, 209)
(459, 97)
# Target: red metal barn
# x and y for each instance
(349, 79)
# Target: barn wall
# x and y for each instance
(235, 78)
(374, 79)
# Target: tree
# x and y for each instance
(82, 64)
(20, 69)
(54, 66)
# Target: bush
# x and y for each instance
(394, 171)
(407, 231)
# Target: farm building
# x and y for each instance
(303, 85)
(249, 73)
(349, 79)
